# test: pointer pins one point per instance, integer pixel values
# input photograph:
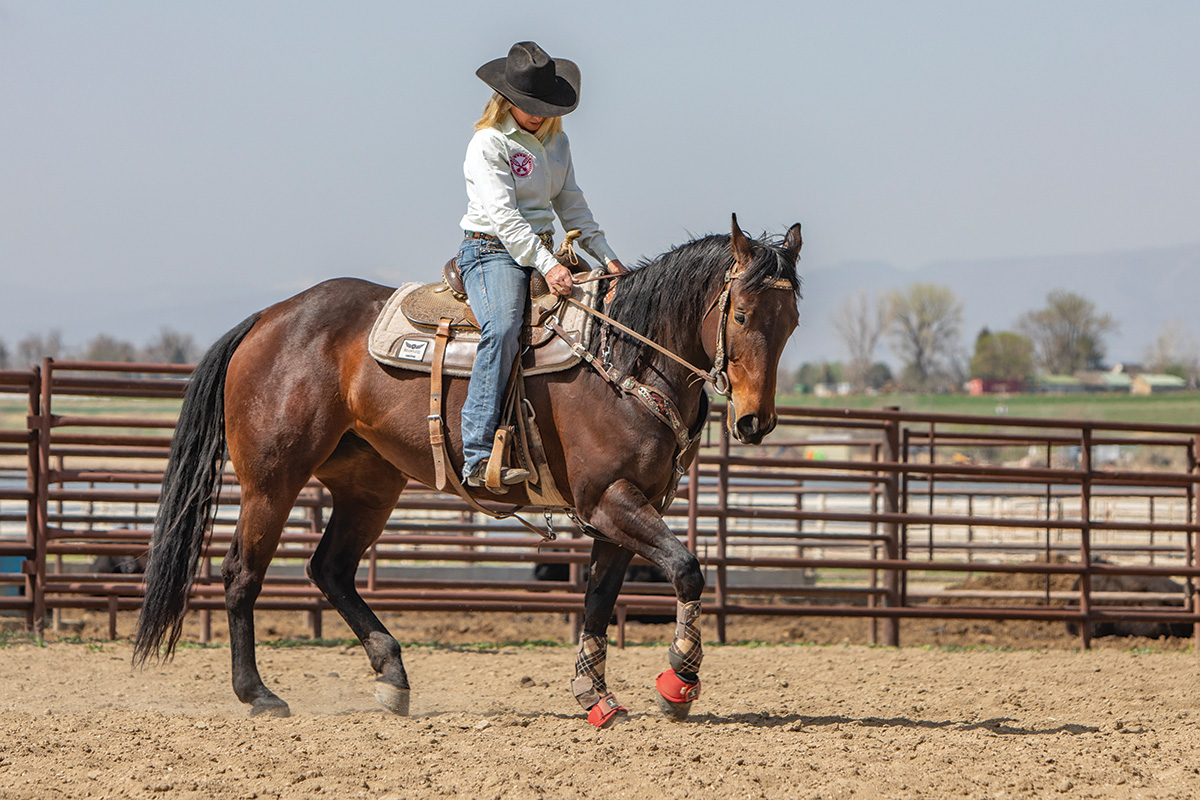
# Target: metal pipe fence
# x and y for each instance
(875, 514)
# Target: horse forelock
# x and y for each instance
(772, 263)
(667, 296)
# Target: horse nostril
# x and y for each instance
(747, 426)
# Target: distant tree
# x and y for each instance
(860, 322)
(878, 375)
(107, 348)
(1175, 352)
(1068, 334)
(171, 347)
(34, 347)
(3, 355)
(1003, 356)
(926, 323)
(812, 373)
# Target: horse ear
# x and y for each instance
(793, 242)
(740, 245)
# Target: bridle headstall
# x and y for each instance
(657, 403)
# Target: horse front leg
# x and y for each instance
(606, 573)
(625, 516)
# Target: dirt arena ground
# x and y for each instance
(954, 718)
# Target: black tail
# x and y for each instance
(185, 506)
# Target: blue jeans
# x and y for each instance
(499, 291)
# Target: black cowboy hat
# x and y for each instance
(533, 81)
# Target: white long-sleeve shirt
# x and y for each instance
(515, 184)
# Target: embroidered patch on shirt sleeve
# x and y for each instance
(521, 164)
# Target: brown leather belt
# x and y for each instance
(547, 238)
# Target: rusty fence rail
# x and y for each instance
(876, 514)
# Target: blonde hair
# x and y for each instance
(498, 106)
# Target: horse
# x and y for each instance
(292, 392)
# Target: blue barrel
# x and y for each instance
(10, 564)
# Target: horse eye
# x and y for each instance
(740, 318)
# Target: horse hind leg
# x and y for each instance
(259, 527)
(364, 489)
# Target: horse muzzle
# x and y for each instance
(749, 429)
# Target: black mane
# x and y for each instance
(665, 298)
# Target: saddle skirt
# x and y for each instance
(403, 333)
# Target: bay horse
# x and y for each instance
(293, 393)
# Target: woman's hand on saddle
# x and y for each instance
(617, 268)
(560, 280)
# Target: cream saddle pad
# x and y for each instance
(398, 341)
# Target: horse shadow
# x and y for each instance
(997, 725)
(801, 722)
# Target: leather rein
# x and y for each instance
(657, 403)
(717, 376)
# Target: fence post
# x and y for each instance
(577, 577)
(930, 486)
(891, 505)
(693, 512)
(1049, 503)
(906, 493)
(1085, 539)
(1192, 542)
(800, 521)
(316, 514)
(970, 528)
(722, 527)
(33, 484)
(872, 601)
(1150, 511)
(206, 614)
(43, 504)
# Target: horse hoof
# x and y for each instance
(675, 695)
(610, 720)
(607, 712)
(393, 698)
(676, 712)
(271, 707)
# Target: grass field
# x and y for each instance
(1179, 408)
(13, 410)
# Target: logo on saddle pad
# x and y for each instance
(521, 163)
(412, 350)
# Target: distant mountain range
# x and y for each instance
(1140, 289)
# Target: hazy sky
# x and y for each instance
(152, 151)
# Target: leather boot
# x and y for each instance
(509, 476)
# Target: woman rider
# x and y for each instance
(519, 174)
